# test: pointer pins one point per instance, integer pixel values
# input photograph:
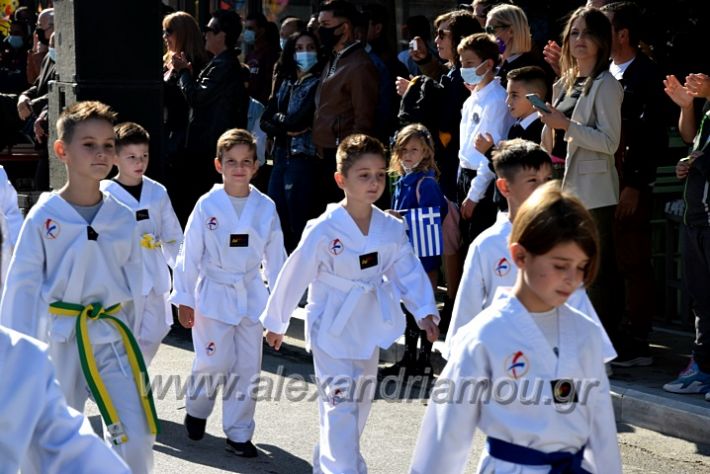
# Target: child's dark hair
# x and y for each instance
(513, 156)
(81, 112)
(533, 79)
(130, 133)
(483, 44)
(234, 137)
(353, 148)
(551, 216)
(414, 130)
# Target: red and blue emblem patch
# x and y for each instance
(502, 267)
(51, 229)
(516, 365)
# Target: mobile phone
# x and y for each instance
(537, 102)
(413, 45)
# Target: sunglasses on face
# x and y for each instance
(167, 31)
(491, 29)
(441, 34)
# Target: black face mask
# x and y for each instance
(328, 38)
(41, 37)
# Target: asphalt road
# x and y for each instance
(287, 426)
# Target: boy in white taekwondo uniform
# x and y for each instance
(359, 264)
(528, 370)
(75, 278)
(158, 227)
(10, 222)
(220, 292)
(522, 166)
(40, 432)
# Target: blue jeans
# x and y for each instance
(293, 186)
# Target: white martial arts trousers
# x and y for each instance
(347, 388)
(115, 371)
(229, 355)
(155, 325)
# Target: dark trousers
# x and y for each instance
(484, 215)
(606, 292)
(632, 237)
(293, 186)
(330, 192)
(696, 261)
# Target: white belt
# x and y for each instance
(234, 279)
(355, 289)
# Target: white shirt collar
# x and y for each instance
(618, 70)
(525, 123)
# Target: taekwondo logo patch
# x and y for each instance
(212, 223)
(337, 398)
(51, 229)
(211, 348)
(368, 260)
(516, 365)
(502, 267)
(336, 247)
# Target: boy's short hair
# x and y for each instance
(81, 112)
(234, 137)
(353, 147)
(341, 9)
(533, 78)
(513, 156)
(551, 216)
(130, 133)
(483, 44)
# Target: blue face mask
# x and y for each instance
(282, 42)
(52, 53)
(15, 41)
(249, 36)
(306, 60)
(470, 76)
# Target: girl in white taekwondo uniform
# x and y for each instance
(158, 227)
(40, 432)
(540, 359)
(522, 166)
(75, 278)
(220, 292)
(359, 264)
(10, 222)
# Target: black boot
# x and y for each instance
(409, 359)
(424, 367)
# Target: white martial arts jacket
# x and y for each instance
(505, 346)
(217, 270)
(39, 431)
(356, 284)
(59, 257)
(489, 268)
(159, 231)
(10, 222)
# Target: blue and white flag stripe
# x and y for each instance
(424, 230)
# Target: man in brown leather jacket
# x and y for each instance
(347, 95)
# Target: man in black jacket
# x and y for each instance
(217, 98)
(643, 138)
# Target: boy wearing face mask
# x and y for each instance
(293, 183)
(484, 115)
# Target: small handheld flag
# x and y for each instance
(424, 230)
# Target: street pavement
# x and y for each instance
(287, 426)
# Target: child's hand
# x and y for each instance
(186, 316)
(484, 142)
(394, 213)
(432, 330)
(467, 208)
(274, 340)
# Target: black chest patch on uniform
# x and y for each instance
(91, 234)
(142, 214)
(368, 260)
(239, 240)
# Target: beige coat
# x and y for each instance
(592, 139)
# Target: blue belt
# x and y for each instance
(561, 462)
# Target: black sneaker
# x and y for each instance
(245, 450)
(195, 427)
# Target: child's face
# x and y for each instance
(91, 152)
(365, 180)
(238, 165)
(412, 153)
(549, 279)
(132, 161)
(518, 105)
(525, 182)
(470, 59)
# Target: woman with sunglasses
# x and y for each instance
(509, 25)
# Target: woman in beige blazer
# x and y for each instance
(584, 128)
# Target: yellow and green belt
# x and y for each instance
(91, 372)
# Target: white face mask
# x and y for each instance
(409, 169)
(470, 75)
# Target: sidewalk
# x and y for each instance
(636, 392)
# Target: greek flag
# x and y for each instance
(424, 230)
